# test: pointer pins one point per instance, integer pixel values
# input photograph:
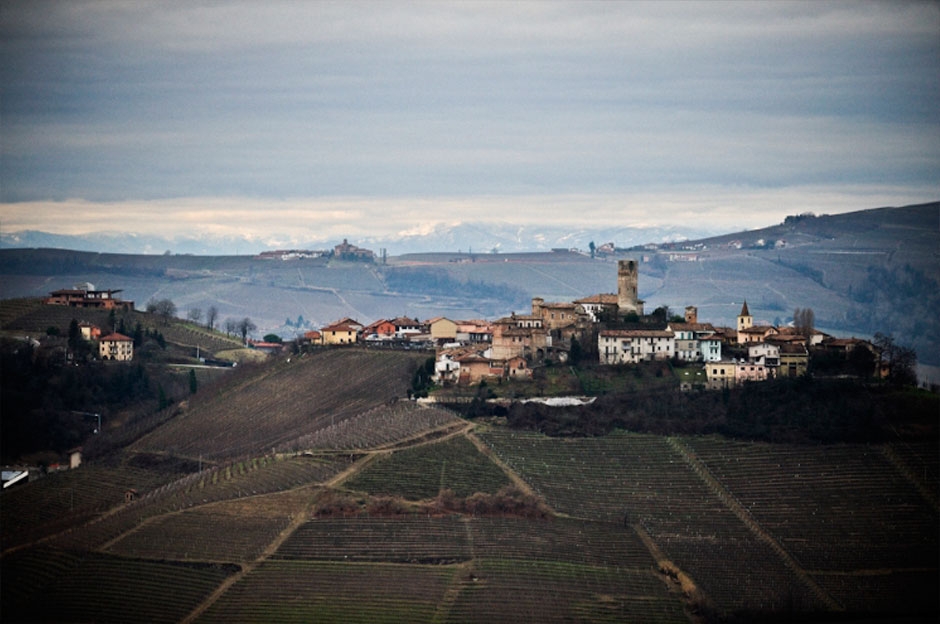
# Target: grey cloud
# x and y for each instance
(112, 100)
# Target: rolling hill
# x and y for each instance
(862, 272)
(302, 490)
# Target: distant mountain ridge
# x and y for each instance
(465, 237)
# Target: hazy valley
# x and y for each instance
(873, 270)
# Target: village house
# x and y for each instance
(750, 371)
(556, 315)
(116, 347)
(596, 306)
(89, 331)
(442, 330)
(522, 335)
(729, 373)
(85, 296)
(405, 327)
(765, 353)
(474, 331)
(794, 360)
(695, 342)
(270, 348)
(446, 366)
(342, 332)
(466, 366)
(475, 367)
(629, 346)
(381, 329)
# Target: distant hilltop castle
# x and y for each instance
(345, 251)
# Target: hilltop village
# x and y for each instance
(608, 328)
(612, 329)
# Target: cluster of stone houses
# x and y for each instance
(509, 347)
(113, 346)
(729, 355)
(402, 330)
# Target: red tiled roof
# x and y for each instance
(115, 337)
(342, 326)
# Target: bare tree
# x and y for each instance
(231, 326)
(164, 308)
(195, 315)
(245, 326)
(212, 315)
(803, 320)
(900, 362)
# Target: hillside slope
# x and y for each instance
(260, 408)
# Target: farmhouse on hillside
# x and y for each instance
(116, 347)
(85, 296)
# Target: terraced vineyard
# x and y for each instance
(232, 482)
(641, 528)
(201, 535)
(550, 570)
(382, 426)
(319, 591)
(102, 588)
(857, 526)
(422, 472)
(59, 499)
(276, 404)
(389, 540)
(754, 536)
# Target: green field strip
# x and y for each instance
(422, 472)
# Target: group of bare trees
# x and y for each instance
(166, 309)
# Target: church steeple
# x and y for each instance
(745, 321)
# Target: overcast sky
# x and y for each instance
(344, 118)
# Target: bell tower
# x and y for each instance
(745, 321)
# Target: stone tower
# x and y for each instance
(627, 279)
(691, 314)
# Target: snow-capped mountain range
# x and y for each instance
(465, 237)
